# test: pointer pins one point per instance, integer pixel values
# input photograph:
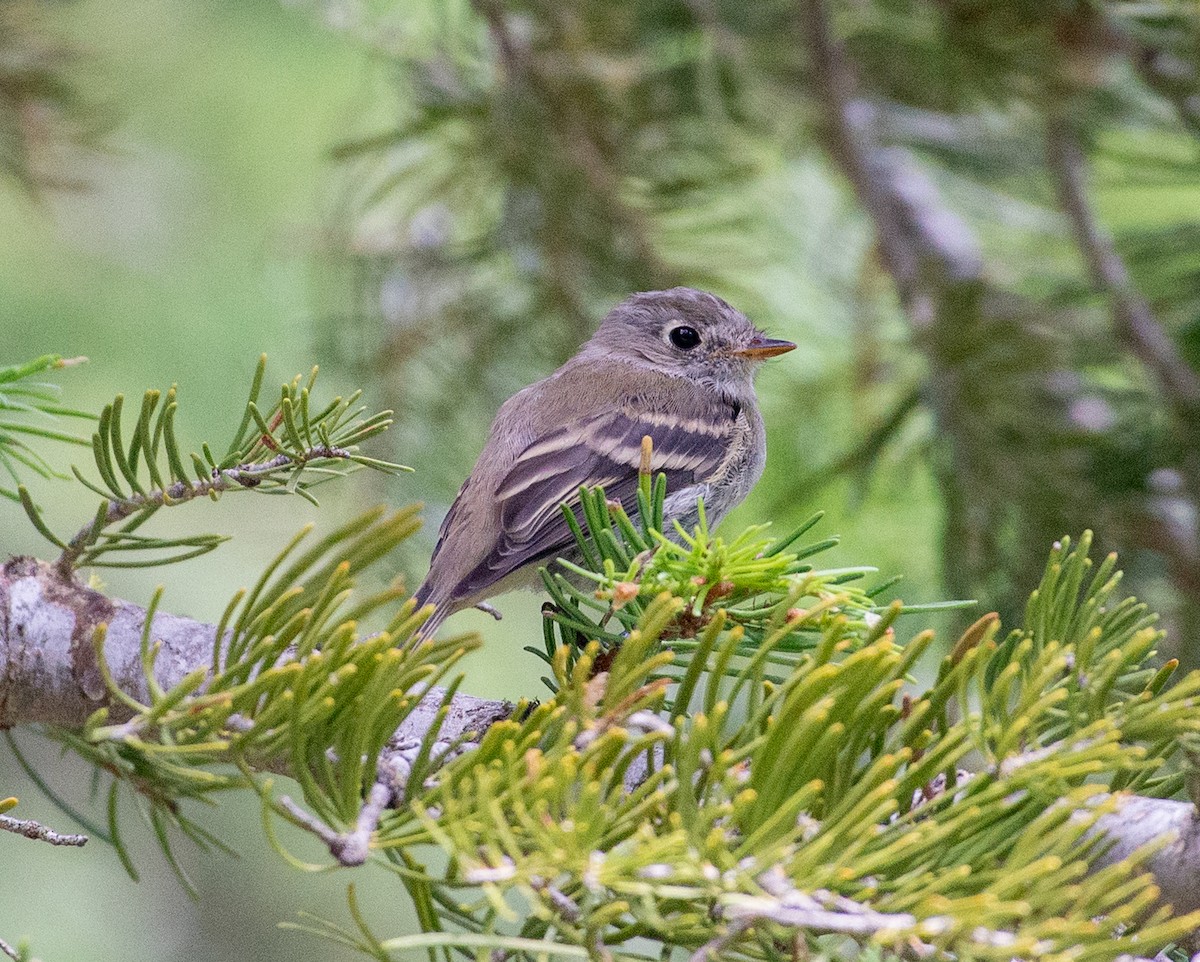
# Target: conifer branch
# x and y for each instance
(247, 475)
(49, 673)
(46, 625)
(287, 448)
(996, 451)
(52, 673)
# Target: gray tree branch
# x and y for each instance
(1136, 325)
(49, 674)
(915, 232)
(1139, 821)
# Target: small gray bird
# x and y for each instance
(676, 365)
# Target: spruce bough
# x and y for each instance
(734, 759)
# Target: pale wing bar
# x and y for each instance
(603, 451)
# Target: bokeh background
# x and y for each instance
(980, 222)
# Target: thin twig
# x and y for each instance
(10, 951)
(801, 910)
(248, 475)
(820, 910)
(39, 832)
(1014, 763)
(353, 847)
(563, 904)
(490, 610)
(309, 823)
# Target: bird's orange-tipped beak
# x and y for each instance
(762, 348)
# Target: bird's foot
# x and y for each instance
(484, 606)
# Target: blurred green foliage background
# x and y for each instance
(436, 200)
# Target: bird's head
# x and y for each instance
(685, 333)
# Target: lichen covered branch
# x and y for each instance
(39, 832)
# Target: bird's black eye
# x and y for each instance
(685, 338)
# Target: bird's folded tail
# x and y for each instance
(426, 595)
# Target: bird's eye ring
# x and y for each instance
(684, 338)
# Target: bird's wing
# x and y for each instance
(604, 450)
